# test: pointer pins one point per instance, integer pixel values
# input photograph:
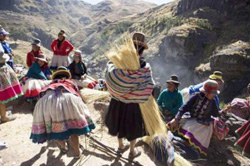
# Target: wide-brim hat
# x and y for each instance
(3, 32)
(62, 32)
(139, 39)
(217, 75)
(42, 57)
(173, 79)
(60, 73)
(36, 42)
(210, 87)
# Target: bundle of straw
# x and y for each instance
(90, 95)
(126, 57)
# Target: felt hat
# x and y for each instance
(3, 32)
(42, 57)
(210, 87)
(62, 32)
(61, 72)
(173, 79)
(139, 39)
(36, 42)
(217, 75)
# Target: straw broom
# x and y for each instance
(89, 95)
(125, 57)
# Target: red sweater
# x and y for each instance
(64, 50)
(31, 57)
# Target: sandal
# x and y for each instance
(122, 150)
(136, 153)
(7, 119)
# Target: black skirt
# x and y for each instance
(125, 120)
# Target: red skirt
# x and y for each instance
(244, 141)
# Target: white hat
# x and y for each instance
(3, 32)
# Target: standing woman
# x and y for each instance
(61, 49)
(10, 88)
(124, 119)
(61, 114)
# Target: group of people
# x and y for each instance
(61, 114)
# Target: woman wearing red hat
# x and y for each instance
(197, 126)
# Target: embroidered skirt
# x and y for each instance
(197, 134)
(244, 141)
(58, 60)
(125, 120)
(10, 88)
(57, 116)
(32, 88)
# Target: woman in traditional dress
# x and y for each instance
(60, 114)
(37, 77)
(10, 88)
(124, 119)
(170, 99)
(243, 142)
(197, 127)
(61, 49)
(35, 51)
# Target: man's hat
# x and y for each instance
(36, 42)
(60, 73)
(210, 87)
(173, 79)
(3, 32)
(217, 75)
(139, 39)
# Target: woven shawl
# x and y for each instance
(129, 86)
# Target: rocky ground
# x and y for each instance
(21, 151)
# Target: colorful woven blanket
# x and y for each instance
(129, 86)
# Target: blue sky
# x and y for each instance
(159, 2)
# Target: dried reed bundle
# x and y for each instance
(125, 57)
(89, 95)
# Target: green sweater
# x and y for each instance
(170, 101)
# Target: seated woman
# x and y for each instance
(170, 99)
(197, 127)
(36, 50)
(61, 114)
(79, 73)
(37, 78)
(243, 142)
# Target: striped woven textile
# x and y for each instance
(129, 86)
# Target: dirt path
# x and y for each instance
(21, 151)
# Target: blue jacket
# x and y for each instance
(171, 101)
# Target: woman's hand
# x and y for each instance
(174, 124)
